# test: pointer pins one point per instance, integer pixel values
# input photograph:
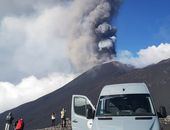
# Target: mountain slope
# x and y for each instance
(37, 113)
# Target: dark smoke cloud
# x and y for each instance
(105, 33)
(96, 36)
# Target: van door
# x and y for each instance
(79, 120)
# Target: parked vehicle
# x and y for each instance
(120, 107)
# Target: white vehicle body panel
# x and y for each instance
(80, 122)
(129, 88)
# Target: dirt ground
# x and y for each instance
(165, 123)
(166, 127)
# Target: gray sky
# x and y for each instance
(29, 41)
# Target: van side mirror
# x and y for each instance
(162, 112)
(90, 113)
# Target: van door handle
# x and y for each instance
(143, 118)
(75, 121)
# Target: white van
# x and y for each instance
(120, 107)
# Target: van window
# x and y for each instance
(125, 105)
(80, 106)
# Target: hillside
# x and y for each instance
(90, 83)
(37, 113)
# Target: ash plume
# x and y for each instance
(93, 39)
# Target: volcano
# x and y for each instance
(37, 113)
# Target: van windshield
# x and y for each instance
(125, 105)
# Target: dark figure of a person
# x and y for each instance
(9, 119)
(63, 117)
(19, 124)
(53, 119)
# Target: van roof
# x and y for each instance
(127, 88)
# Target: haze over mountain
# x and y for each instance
(90, 83)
